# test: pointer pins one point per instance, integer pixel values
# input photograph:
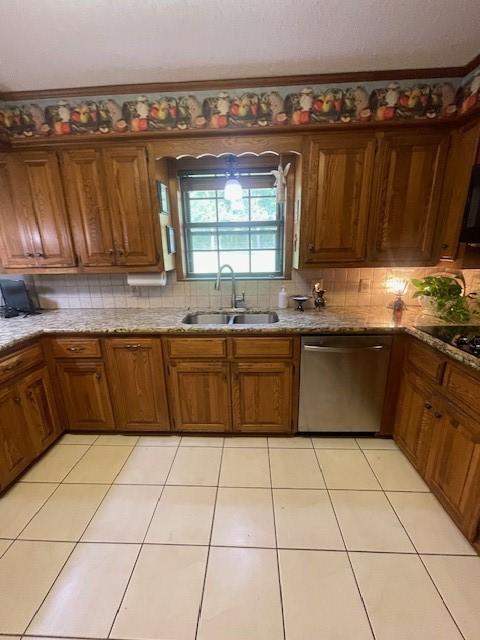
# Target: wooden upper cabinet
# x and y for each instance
(461, 158)
(137, 383)
(88, 206)
(15, 236)
(129, 191)
(408, 180)
(262, 396)
(340, 173)
(31, 187)
(45, 197)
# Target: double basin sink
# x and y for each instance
(231, 318)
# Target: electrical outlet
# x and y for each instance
(363, 285)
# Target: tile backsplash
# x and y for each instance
(345, 287)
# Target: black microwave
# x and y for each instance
(471, 221)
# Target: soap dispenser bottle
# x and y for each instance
(282, 298)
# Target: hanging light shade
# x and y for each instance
(232, 191)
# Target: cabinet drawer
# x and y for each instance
(262, 347)
(20, 361)
(76, 348)
(427, 361)
(197, 347)
(463, 387)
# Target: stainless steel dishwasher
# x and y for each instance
(342, 382)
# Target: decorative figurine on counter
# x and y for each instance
(397, 286)
(300, 300)
(319, 299)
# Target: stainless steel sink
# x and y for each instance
(255, 318)
(231, 318)
(206, 318)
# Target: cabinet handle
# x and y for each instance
(17, 399)
(30, 394)
(427, 406)
(98, 376)
(311, 248)
(111, 252)
(40, 255)
(29, 254)
(437, 415)
(75, 349)
(132, 347)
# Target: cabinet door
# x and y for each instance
(40, 410)
(16, 448)
(408, 179)
(128, 186)
(88, 207)
(454, 473)
(137, 383)
(42, 194)
(338, 198)
(461, 158)
(85, 394)
(414, 419)
(200, 396)
(262, 396)
(15, 224)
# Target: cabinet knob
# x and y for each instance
(98, 376)
(17, 399)
(437, 415)
(29, 254)
(30, 394)
(427, 406)
(311, 248)
(40, 255)
(74, 349)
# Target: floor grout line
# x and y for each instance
(200, 606)
(370, 624)
(276, 546)
(142, 543)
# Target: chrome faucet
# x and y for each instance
(236, 300)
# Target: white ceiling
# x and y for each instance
(65, 43)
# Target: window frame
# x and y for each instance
(216, 181)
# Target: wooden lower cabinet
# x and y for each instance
(262, 396)
(200, 396)
(137, 383)
(454, 469)
(16, 447)
(413, 424)
(40, 409)
(85, 394)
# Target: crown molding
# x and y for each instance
(232, 83)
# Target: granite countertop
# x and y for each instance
(14, 331)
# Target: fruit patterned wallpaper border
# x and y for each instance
(242, 108)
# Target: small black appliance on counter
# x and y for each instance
(16, 298)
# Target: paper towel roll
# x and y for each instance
(147, 279)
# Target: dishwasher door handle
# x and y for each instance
(311, 347)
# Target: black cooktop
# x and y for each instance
(466, 338)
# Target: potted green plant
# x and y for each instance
(444, 295)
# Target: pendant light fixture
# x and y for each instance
(232, 191)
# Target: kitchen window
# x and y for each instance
(248, 234)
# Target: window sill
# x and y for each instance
(227, 276)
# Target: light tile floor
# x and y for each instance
(169, 538)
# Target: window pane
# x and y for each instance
(203, 238)
(238, 260)
(262, 192)
(263, 208)
(202, 210)
(202, 194)
(205, 262)
(229, 212)
(263, 261)
(264, 238)
(233, 238)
